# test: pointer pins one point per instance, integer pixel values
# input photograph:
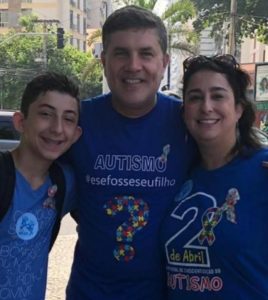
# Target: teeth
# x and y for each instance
(208, 121)
(49, 141)
(132, 81)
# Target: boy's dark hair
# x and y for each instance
(239, 81)
(49, 81)
(135, 17)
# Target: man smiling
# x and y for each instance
(130, 161)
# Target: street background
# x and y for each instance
(60, 260)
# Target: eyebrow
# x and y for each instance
(45, 105)
(213, 89)
(121, 48)
(147, 48)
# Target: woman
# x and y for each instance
(216, 235)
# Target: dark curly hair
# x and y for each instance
(239, 81)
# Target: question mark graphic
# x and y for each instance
(139, 213)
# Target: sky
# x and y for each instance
(160, 6)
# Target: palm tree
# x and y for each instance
(176, 16)
(95, 36)
(181, 34)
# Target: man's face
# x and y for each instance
(134, 65)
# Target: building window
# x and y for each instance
(84, 5)
(78, 4)
(84, 26)
(26, 1)
(3, 1)
(3, 18)
(78, 22)
(71, 19)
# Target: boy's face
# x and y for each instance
(51, 125)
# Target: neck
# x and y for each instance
(213, 157)
(133, 111)
(33, 170)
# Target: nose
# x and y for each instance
(134, 63)
(57, 125)
(207, 104)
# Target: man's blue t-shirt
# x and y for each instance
(128, 171)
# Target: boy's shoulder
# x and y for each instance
(7, 181)
(57, 173)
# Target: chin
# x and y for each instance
(52, 156)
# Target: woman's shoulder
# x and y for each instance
(257, 156)
(261, 153)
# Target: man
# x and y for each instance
(130, 161)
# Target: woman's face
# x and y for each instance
(210, 112)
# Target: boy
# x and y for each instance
(47, 122)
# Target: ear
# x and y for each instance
(18, 121)
(103, 58)
(239, 111)
(77, 134)
(103, 61)
(166, 60)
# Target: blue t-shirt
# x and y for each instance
(128, 171)
(215, 238)
(25, 234)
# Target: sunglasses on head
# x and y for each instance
(193, 61)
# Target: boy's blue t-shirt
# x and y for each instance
(215, 237)
(128, 170)
(25, 234)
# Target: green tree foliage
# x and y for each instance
(177, 17)
(91, 77)
(22, 58)
(18, 65)
(149, 4)
(28, 23)
(251, 20)
(75, 63)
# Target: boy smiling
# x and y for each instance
(47, 122)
